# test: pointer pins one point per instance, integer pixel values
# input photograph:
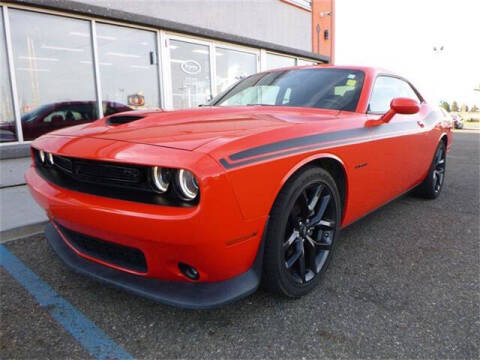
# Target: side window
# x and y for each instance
(69, 113)
(56, 116)
(385, 89)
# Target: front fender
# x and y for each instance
(257, 186)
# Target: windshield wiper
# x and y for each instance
(260, 105)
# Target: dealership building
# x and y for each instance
(68, 62)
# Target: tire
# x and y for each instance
(304, 223)
(431, 187)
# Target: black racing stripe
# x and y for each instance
(228, 165)
(311, 142)
(318, 146)
(296, 142)
(319, 138)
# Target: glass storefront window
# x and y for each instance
(127, 59)
(55, 77)
(232, 66)
(190, 69)
(53, 68)
(8, 131)
(277, 61)
(302, 62)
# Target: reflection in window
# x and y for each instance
(278, 61)
(66, 113)
(232, 66)
(8, 131)
(128, 66)
(53, 66)
(265, 95)
(190, 67)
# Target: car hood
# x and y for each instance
(190, 129)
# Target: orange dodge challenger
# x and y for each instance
(194, 208)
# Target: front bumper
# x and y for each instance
(213, 236)
(181, 294)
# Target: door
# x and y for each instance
(402, 138)
(190, 72)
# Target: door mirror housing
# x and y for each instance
(401, 105)
(405, 106)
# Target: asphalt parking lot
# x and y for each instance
(404, 283)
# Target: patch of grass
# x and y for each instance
(473, 117)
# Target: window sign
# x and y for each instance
(190, 69)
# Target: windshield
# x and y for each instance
(32, 115)
(337, 89)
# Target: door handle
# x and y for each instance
(420, 123)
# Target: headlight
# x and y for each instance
(160, 179)
(187, 185)
(41, 154)
(50, 158)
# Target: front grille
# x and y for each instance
(94, 172)
(124, 256)
(107, 179)
(63, 162)
(101, 172)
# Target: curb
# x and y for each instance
(22, 231)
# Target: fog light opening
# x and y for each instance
(189, 271)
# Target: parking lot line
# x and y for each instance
(93, 339)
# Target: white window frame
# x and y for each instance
(11, 73)
(158, 55)
(213, 45)
(304, 4)
(192, 40)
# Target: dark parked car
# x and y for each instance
(457, 121)
(55, 116)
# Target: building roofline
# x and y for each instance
(78, 8)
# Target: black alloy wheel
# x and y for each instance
(310, 232)
(439, 169)
(303, 227)
(431, 187)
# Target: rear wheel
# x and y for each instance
(304, 224)
(431, 187)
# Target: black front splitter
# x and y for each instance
(180, 294)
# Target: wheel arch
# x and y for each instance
(330, 162)
(444, 138)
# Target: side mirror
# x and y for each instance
(400, 105)
(405, 106)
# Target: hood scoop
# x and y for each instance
(123, 119)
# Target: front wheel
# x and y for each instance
(303, 227)
(431, 187)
